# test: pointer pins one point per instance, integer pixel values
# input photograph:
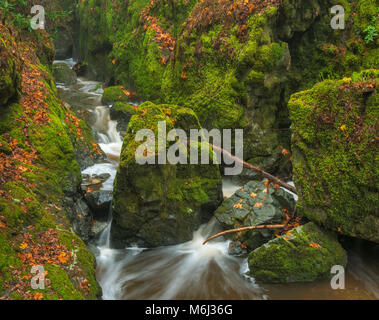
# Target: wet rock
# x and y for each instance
(63, 74)
(91, 184)
(308, 253)
(252, 205)
(121, 112)
(157, 204)
(81, 69)
(236, 248)
(102, 176)
(93, 248)
(99, 202)
(82, 220)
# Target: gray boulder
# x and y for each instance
(63, 74)
(254, 204)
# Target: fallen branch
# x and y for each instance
(266, 226)
(257, 169)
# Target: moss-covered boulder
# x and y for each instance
(114, 94)
(335, 158)
(122, 112)
(161, 204)
(63, 74)
(255, 204)
(306, 254)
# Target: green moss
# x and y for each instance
(31, 201)
(160, 204)
(294, 260)
(60, 283)
(114, 94)
(335, 163)
(63, 74)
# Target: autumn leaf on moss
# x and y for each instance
(23, 245)
(314, 245)
(38, 296)
(63, 257)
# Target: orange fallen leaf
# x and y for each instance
(23, 246)
(63, 257)
(38, 296)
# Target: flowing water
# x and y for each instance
(191, 270)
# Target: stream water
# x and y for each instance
(191, 270)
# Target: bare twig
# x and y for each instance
(266, 226)
(257, 169)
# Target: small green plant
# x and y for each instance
(370, 31)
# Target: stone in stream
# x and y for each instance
(114, 94)
(306, 254)
(122, 112)
(161, 204)
(99, 202)
(63, 74)
(81, 69)
(254, 204)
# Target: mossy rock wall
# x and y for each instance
(39, 140)
(234, 63)
(306, 254)
(335, 158)
(161, 204)
(10, 71)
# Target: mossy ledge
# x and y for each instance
(38, 169)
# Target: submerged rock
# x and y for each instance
(252, 205)
(63, 74)
(161, 204)
(306, 254)
(335, 155)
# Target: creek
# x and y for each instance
(191, 270)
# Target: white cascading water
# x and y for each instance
(189, 270)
